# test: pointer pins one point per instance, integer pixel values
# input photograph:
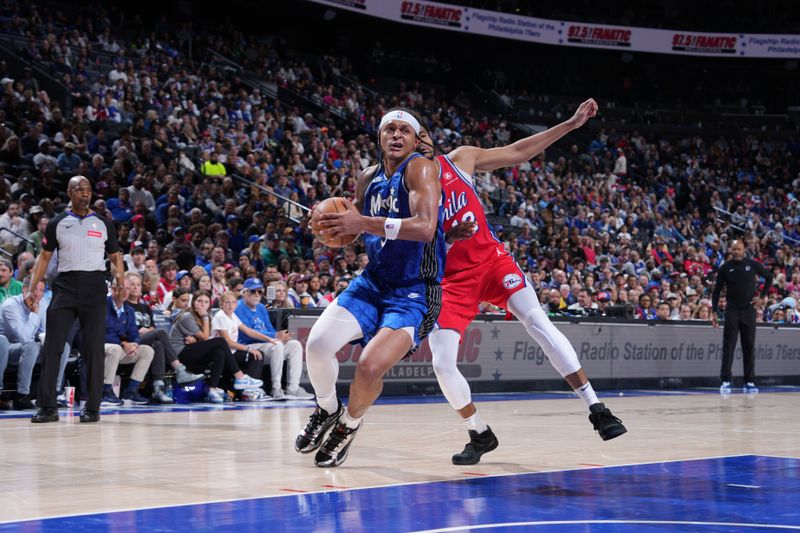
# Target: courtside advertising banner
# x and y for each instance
(565, 33)
(497, 351)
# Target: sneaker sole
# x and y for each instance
(491, 447)
(247, 386)
(44, 421)
(614, 432)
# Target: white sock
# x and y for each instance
(349, 421)
(329, 403)
(475, 423)
(587, 395)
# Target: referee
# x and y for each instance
(82, 238)
(739, 275)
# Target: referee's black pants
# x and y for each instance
(739, 322)
(80, 295)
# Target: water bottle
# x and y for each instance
(169, 391)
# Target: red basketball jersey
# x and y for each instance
(462, 205)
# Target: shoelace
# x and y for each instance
(339, 433)
(606, 416)
(469, 449)
(316, 420)
(473, 445)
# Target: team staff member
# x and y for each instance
(82, 238)
(739, 275)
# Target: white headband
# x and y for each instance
(399, 115)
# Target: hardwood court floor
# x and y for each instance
(158, 459)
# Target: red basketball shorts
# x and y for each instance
(494, 282)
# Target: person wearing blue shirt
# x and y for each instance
(281, 346)
(236, 241)
(21, 326)
(68, 160)
(120, 207)
(122, 347)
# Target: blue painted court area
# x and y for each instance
(731, 494)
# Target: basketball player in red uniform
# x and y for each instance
(479, 269)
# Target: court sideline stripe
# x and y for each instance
(575, 522)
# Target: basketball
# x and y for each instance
(331, 205)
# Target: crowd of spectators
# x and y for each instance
(625, 219)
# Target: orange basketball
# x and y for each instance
(331, 205)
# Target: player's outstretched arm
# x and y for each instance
(424, 196)
(471, 159)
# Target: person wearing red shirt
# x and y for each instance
(168, 281)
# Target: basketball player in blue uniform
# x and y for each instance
(394, 304)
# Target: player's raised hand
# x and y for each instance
(585, 111)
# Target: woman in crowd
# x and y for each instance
(191, 338)
(204, 284)
(181, 301)
(158, 339)
(281, 295)
(645, 311)
(702, 312)
(227, 326)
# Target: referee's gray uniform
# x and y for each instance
(79, 291)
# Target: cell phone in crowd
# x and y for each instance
(270, 294)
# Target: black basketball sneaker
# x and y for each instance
(334, 450)
(605, 423)
(318, 423)
(479, 444)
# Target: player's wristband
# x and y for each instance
(391, 226)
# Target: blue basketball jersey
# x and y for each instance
(400, 263)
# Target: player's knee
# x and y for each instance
(370, 370)
(444, 366)
(539, 327)
(315, 346)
